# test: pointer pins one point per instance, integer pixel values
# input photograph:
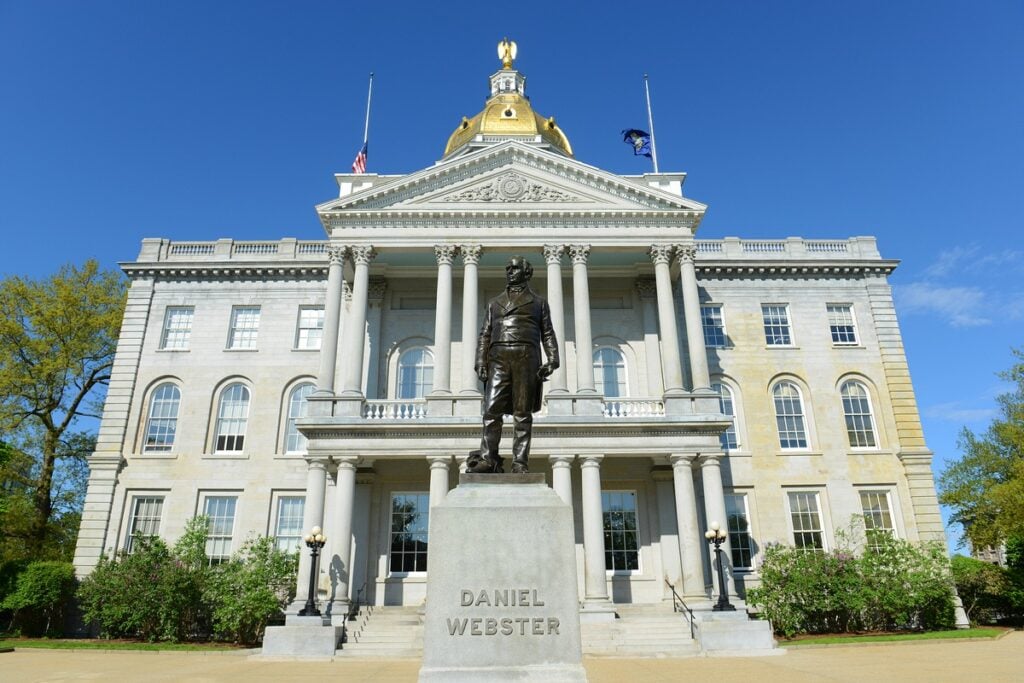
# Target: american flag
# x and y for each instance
(359, 165)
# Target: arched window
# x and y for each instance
(789, 415)
(860, 425)
(232, 417)
(730, 441)
(609, 372)
(162, 425)
(415, 373)
(294, 442)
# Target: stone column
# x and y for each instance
(595, 582)
(439, 465)
(561, 476)
(355, 327)
(556, 302)
(341, 535)
(332, 322)
(714, 511)
(470, 308)
(687, 254)
(691, 536)
(312, 515)
(376, 290)
(647, 290)
(581, 314)
(445, 254)
(672, 367)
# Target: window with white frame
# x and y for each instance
(877, 517)
(841, 324)
(609, 372)
(776, 324)
(311, 327)
(415, 373)
(713, 322)
(232, 419)
(288, 526)
(860, 424)
(789, 415)
(145, 520)
(294, 441)
(740, 540)
(727, 405)
(177, 327)
(805, 515)
(162, 423)
(621, 535)
(245, 325)
(410, 515)
(221, 513)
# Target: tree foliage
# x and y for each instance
(985, 487)
(40, 595)
(57, 341)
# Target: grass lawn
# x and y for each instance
(97, 644)
(846, 639)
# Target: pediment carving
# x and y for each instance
(511, 187)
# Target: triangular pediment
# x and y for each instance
(515, 177)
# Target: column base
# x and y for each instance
(440, 405)
(349, 405)
(560, 404)
(588, 404)
(597, 610)
(469, 404)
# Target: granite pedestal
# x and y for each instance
(502, 598)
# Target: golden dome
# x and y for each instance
(507, 115)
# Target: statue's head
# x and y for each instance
(518, 270)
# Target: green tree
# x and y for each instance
(57, 341)
(985, 487)
(982, 587)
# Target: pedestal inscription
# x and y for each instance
(502, 600)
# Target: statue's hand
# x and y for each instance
(545, 371)
(481, 373)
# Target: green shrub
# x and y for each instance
(982, 587)
(40, 595)
(245, 593)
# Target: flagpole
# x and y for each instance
(650, 124)
(369, 96)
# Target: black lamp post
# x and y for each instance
(315, 541)
(717, 536)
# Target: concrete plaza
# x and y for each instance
(991, 661)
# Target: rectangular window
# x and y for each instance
(740, 540)
(221, 511)
(806, 517)
(877, 517)
(245, 324)
(713, 322)
(146, 511)
(841, 324)
(311, 327)
(288, 529)
(776, 324)
(621, 537)
(177, 327)
(409, 518)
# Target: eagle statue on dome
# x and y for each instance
(506, 52)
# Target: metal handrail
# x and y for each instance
(355, 605)
(679, 606)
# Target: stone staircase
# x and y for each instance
(640, 631)
(384, 632)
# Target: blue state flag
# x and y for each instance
(640, 141)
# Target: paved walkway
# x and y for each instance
(990, 661)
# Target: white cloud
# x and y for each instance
(955, 412)
(959, 260)
(959, 306)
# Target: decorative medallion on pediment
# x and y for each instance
(511, 187)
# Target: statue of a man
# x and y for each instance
(508, 362)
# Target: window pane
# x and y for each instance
(622, 538)
(409, 518)
(295, 442)
(714, 325)
(221, 511)
(728, 438)
(841, 325)
(232, 417)
(177, 327)
(789, 416)
(806, 519)
(163, 419)
(311, 327)
(740, 541)
(415, 374)
(860, 426)
(145, 518)
(609, 373)
(877, 517)
(288, 533)
(245, 323)
(776, 325)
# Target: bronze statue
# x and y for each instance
(508, 362)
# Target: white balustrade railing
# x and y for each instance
(408, 409)
(257, 248)
(192, 248)
(639, 407)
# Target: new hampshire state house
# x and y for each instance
(278, 385)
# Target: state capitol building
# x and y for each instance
(278, 385)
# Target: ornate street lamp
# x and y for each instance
(314, 541)
(717, 536)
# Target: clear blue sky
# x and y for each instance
(199, 120)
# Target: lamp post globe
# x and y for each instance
(716, 535)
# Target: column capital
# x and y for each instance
(438, 462)
(646, 287)
(686, 253)
(336, 255)
(591, 460)
(362, 254)
(661, 254)
(682, 460)
(445, 253)
(579, 253)
(711, 459)
(347, 462)
(553, 253)
(376, 288)
(470, 253)
(561, 460)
